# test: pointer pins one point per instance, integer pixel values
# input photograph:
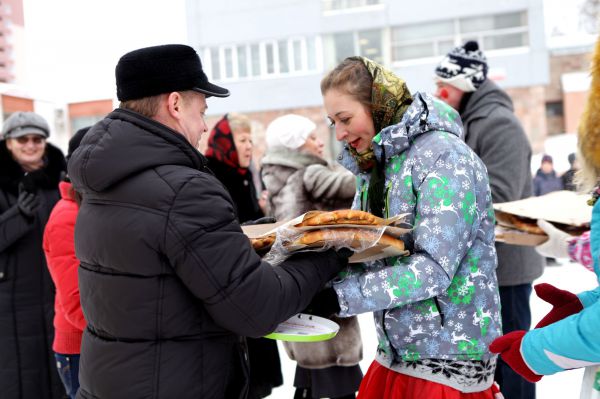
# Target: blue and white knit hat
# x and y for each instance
(464, 67)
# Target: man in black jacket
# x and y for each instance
(169, 283)
(495, 134)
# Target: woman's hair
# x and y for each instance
(588, 132)
(352, 77)
(587, 177)
(148, 106)
(239, 122)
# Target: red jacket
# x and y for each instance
(59, 247)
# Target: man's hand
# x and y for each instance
(324, 304)
(509, 348)
(27, 202)
(564, 303)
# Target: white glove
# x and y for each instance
(557, 244)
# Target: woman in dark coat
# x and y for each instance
(229, 154)
(30, 170)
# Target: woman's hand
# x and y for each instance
(557, 244)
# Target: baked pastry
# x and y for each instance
(342, 216)
(262, 244)
(355, 237)
(520, 223)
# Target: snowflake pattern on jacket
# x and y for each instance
(442, 301)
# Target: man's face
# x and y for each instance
(191, 122)
(449, 94)
(547, 167)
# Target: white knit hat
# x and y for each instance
(290, 131)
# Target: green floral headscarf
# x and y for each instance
(390, 98)
(389, 95)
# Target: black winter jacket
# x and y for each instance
(27, 365)
(168, 280)
(240, 188)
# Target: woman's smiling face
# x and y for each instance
(28, 150)
(352, 120)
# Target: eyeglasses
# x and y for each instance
(34, 138)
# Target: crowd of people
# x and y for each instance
(125, 272)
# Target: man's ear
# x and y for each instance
(174, 101)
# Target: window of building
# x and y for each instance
(255, 59)
(242, 61)
(332, 5)
(435, 39)
(283, 53)
(215, 69)
(267, 58)
(554, 108)
(369, 45)
(83, 121)
(340, 45)
(312, 49)
(227, 62)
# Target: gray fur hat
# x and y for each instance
(22, 123)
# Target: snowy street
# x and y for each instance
(569, 276)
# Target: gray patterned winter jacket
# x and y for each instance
(437, 310)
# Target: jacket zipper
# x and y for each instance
(439, 309)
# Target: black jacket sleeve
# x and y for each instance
(13, 226)
(216, 262)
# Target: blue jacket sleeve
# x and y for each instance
(589, 298)
(573, 342)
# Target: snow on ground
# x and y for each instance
(569, 276)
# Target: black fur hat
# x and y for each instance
(162, 69)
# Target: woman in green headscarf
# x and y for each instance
(436, 310)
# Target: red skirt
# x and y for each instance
(383, 383)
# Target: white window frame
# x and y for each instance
(294, 70)
(458, 38)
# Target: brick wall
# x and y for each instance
(530, 109)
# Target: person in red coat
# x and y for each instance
(59, 247)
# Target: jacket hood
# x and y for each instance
(487, 96)
(126, 143)
(426, 114)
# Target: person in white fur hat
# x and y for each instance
(298, 180)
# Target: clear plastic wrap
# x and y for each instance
(367, 241)
(370, 237)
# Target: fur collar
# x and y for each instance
(292, 158)
(11, 173)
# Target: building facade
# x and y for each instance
(272, 54)
(12, 32)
